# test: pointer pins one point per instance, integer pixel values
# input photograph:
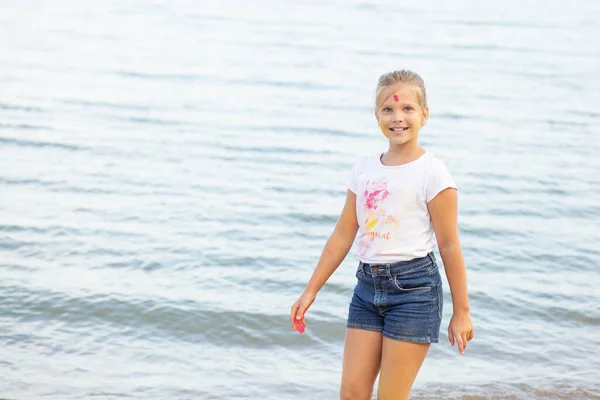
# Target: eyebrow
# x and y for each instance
(389, 104)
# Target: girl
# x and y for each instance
(396, 201)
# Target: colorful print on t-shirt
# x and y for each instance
(379, 223)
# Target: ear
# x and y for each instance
(376, 116)
(425, 115)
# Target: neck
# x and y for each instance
(402, 154)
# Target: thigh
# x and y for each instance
(362, 356)
(400, 363)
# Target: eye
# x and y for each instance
(386, 109)
(408, 108)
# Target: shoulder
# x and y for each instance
(433, 164)
(365, 162)
(361, 166)
(370, 159)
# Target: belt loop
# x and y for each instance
(431, 257)
(388, 270)
(361, 266)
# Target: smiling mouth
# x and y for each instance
(398, 129)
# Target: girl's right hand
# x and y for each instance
(299, 308)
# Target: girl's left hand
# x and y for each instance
(460, 330)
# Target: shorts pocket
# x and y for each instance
(420, 284)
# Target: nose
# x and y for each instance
(398, 117)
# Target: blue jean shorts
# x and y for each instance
(402, 300)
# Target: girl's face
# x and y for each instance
(400, 115)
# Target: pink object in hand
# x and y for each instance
(299, 326)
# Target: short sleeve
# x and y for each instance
(353, 179)
(438, 179)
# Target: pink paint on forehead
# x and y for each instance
(396, 97)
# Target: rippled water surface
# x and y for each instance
(169, 173)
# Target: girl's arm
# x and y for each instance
(334, 252)
(443, 209)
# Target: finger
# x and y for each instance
(300, 313)
(303, 319)
(471, 334)
(461, 346)
(464, 337)
(299, 326)
(450, 336)
(293, 315)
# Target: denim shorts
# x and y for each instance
(402, 300)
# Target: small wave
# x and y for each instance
(24, 127)
(37, 143)
(153, 121)
(103, 104)
(567, 390)
(501, 24)
(278, 150)
(6, 106)
(151, 76)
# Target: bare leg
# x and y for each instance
(362, 355)
(400, 363)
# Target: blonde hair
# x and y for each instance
(394, 78)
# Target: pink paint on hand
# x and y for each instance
(396, 97)
(299, 325)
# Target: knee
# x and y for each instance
(354, 392)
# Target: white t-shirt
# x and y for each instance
(391, 207)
